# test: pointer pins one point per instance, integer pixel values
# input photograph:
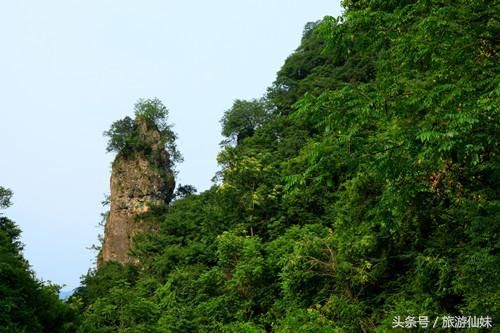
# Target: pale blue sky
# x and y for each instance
(69, 68)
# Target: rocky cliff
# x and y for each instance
(141, 179)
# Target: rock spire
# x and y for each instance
(141, 179)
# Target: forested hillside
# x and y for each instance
(363, 186)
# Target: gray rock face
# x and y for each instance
(139, 181)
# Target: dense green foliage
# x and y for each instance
(243, 119)
(126, 137)
(363, 186)
(26, 304)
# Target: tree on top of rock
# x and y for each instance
(127, 135)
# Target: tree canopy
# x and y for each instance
(125, 135)
(243, 119)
